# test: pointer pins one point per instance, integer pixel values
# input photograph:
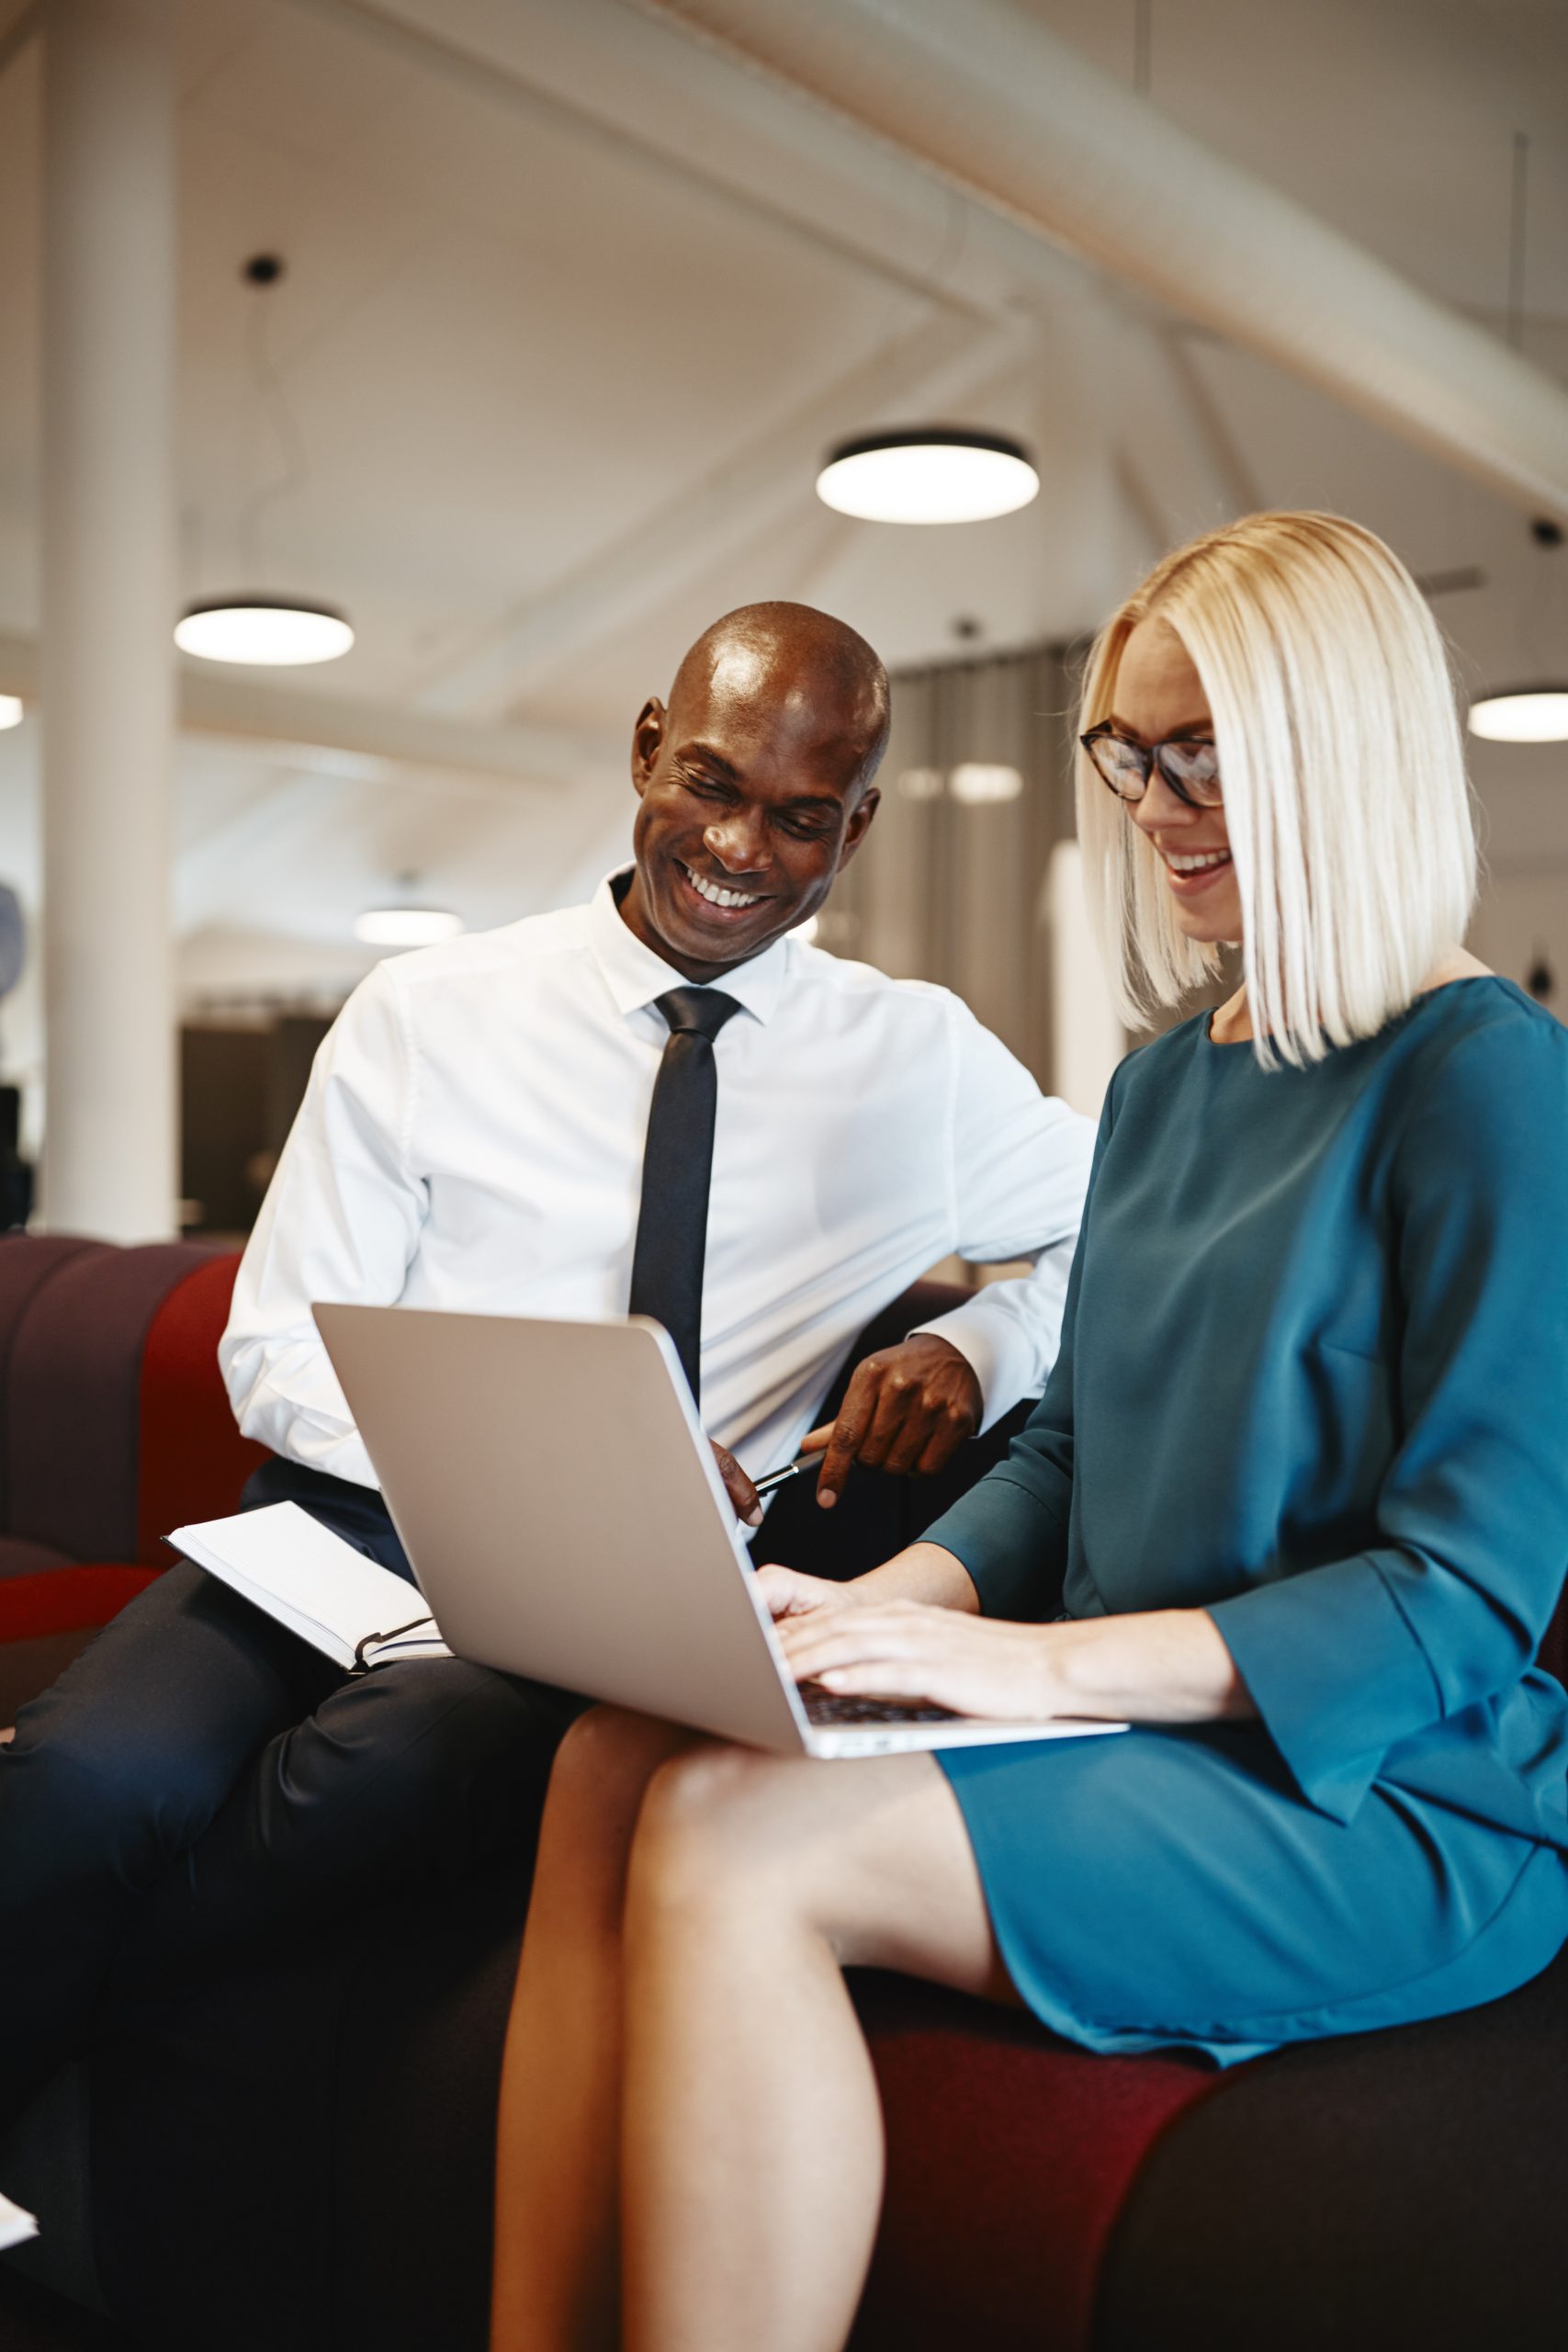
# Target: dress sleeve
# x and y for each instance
(1447, 1607)
(1010, 1529)
(341, 1221)
(1020, 1163)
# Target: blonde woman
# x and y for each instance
(1299, 1483)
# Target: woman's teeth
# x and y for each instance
(1199, 865)
(717, 898)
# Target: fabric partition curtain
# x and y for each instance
(952, 885)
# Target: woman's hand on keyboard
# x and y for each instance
(906, 1649)
(1163, 1666)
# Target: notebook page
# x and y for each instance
(283, 1561)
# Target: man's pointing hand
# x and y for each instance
(908, 1410)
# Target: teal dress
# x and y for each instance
(1313, 1379)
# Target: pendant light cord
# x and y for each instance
(290, 441)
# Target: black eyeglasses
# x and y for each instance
(1190, 764)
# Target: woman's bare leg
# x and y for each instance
(557, 2267)
(752, 2138)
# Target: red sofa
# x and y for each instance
(301, 2153)
(113, 1426)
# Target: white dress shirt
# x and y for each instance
(472, 1139)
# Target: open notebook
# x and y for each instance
(282, 1560)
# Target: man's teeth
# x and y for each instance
(1198, 864)
(717, 898)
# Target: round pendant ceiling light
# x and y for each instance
(939, 473)
(1522, 715)
(11, 712)
(258, 628)
(271, 631)
(407, 926)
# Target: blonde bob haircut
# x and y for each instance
(1344, 791)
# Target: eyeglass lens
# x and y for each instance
(1191, 768)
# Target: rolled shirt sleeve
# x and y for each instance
(1447, 1609)
(1021, 1164)
(341, 1221)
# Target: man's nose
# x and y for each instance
(736, 842)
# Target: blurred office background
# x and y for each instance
(516, 332)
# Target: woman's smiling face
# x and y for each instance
(1159, 694)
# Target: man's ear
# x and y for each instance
(648, 741)
(855, 831)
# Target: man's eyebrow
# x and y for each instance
(709, 757)
(1193, 726)
(829, 800)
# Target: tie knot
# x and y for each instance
(700, 1013)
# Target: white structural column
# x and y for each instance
(107, 667)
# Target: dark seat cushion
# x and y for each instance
(1392, 2188)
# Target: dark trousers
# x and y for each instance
(200, 1787)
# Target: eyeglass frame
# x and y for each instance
(1152, 756)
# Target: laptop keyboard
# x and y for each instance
(823, 1708)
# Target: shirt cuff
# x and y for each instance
(998, 1352)
(1335, 1675)
(310, 1438)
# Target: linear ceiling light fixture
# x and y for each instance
(1522, 715)
(939, 473)
(982, 783)
(407, 926)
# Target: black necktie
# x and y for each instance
(677, 1162)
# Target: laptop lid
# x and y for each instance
(527, 1464)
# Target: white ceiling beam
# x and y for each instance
(748, 493)
(288, 806)
(637, 86)
(983, 96)
(545, 758)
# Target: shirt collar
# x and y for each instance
(635, 976)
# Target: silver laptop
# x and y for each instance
(566, 1519)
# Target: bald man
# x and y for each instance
(201, 1783)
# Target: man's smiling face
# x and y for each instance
(753, 787)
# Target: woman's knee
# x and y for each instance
(717, 1824)
(606, 1760)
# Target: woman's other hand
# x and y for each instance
(906, 1649)
(788, 1593)
(921, 1572)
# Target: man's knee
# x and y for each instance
(425, 1718)
(430, 1755)
(76, 1800)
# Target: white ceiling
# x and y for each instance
(571, 307)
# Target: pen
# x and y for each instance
(791, 1470)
